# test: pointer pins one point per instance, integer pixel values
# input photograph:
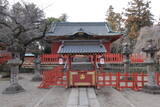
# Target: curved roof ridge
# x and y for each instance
(70, 28)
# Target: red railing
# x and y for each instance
(108, 57)
(119, 80)
(49, 58)
(54, 77)
(137, 58)
(157, 77)
(134, 80)
(4, 56)
(113, 57)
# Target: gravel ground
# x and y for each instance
(33, 96)
(58, 96)
(141, 99)
(109, 97)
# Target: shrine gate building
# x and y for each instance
(80, 31)
(79, 44)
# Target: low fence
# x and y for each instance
(113, 74)
(119, 80)
(122, 80)
(137, 58)
(108, 57)
(54, 77)
(4, 56)
(157, 78)
(49, 58)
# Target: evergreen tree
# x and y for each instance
(114, 19)
(62, 18)
(138, 15)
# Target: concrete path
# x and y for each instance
(82, 97)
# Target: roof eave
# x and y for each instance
(117, 34)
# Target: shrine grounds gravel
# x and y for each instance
(33, 96)
(110, 97)
(58, 96)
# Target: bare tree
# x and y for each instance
(21, 25)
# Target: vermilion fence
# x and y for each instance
(109, 57)
(50, 58)
(122, 80)
(119, 80)
(157, 77)
(4, 56)
(137, 58)
(54, 77)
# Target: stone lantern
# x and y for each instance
(37, 52)
(126, 52)
(14, 63)
(150, 49)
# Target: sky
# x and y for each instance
(86, 10)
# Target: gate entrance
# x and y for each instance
(81, 60)
(82, 72)
(82, 78)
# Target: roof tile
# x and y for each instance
(70, 28)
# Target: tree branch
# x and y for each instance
(38, 38)
(5, 24)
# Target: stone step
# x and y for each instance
(83, 99)
(73, 98)
(93, 102)
(91, 93)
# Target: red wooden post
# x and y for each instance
(104, 79)
(110, 78)
(118, 80)
(142, 76)
(136, 88)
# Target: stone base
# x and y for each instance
(37, 78)
(151, 89)
(13, 89)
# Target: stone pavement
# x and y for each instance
(82, 97)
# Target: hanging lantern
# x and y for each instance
(101, 60)
(61, 60)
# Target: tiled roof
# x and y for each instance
(81, 47)
(71, 28)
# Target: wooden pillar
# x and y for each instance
(70, 61)
(95, 60)
(107, 46)
(68, 71)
